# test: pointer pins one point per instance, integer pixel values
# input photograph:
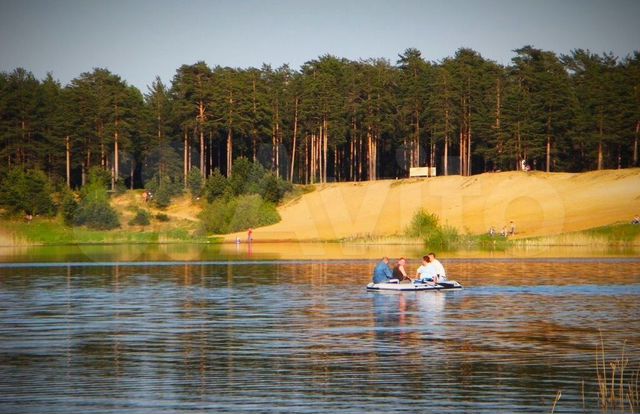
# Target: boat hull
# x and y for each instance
(414, 287)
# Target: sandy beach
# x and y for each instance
(538, 203)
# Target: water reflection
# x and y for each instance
(307, 337)
(281, 251)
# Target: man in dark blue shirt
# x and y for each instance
(382, 273)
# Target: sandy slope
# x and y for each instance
(538, 203)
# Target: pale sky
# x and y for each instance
(139, 39)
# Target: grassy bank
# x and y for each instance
(426, 229)
(53, 232)
(611, 235)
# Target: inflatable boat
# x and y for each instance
(414, 286)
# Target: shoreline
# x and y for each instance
(582, 238)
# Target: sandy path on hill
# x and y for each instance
(538, 203)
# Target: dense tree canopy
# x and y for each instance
(333, 119)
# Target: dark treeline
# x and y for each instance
(333, 119)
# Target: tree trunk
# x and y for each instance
(103, 158)
(369, 154)
(295, 134)
(230, 137)
(446, 141)
(468, 146)
(635, 145)
(201, 120)
(68, 153)
(186, 156)
(133, 166)
(548, 153)
(518, 146)
(229, 152)
(308, 144)
(415, 162)
(201, 151)
(619, 158)
(353, 150)
(320, 148)
(326, 148)
(210, 167)
(276, 142)
(116, 154)
(254, 131)
(548, 143)
(462, 158)
(601, 133)
(497, 125)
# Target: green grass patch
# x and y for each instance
(616, 233)
(427, 227)
(238, 214)
(52, 232)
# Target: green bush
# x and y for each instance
(142, 218)
(99, 176)
(98, 216)
(238, 213)
(162, 217)
(427, 227)
(68, 207)
(26, 192)
(216, 186)
(163, 190)
(194, 182)
(422, 224)
(162, 197)
(245, 176)
(94, 210)
(273, 188)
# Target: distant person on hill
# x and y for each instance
(504, 233)
(438, 269)
(382, 272)
(400, 273)
(513, 228)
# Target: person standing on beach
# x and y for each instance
(250, 235)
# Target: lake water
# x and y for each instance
(282, 336)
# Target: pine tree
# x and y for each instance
(414, 97)
(192, 94)
(597, 86)
(160, 156)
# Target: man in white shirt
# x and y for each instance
(438, 269)
(426, 272)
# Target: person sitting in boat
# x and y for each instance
(400, 273)
(382, 272)
(438, 269)
(426, 272)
